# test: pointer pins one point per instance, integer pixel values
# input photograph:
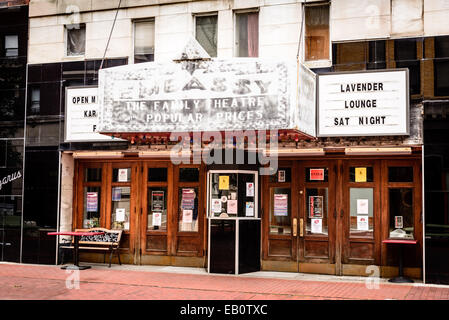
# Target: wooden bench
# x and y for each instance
(107, 242)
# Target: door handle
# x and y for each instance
(301, 227)
(295, 227)
(341, 213)
(335, 213)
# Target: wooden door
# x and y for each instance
(316, 196)
(156, 226)
(360, 212)
(122, 203)
(279, 212)
(189, 208)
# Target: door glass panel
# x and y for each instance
(120, 207)
(121, 174)
(280, 211)
(400, 174)
(361, 212)
(401, 213)
(188, 209)
(246, 195)
(189, 174)
(91, 213)
(157, 174)
(361, 174)
(157, 208)
(317, 207)
(92, 175)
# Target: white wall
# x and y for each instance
(371, 19)
(279, 24)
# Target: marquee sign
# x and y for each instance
(81, 120)
(202, 95)
(371, 103)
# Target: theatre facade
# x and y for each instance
(247, 164)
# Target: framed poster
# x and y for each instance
(281, 205)
(281, 176)
(249, 212)
(116, 194)
(250, 189)
(398, 222)
(316, 206)
(216, 205)
(360, 174)
(362, 206)
(157, 219)
(188, 199)
(187, 216)
(92, 201)
(122, 175)
(232, 207)
(223, 183)
(120, 214)
(317, 225)
(157, 201)
(362, 223)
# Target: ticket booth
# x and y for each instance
(233, 221)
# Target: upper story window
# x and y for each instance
(11, 45)
(317, 40)
(441, 66)
(206, 33)
(376, 55)
(405, 55)
(35, 101)
(143, 41)
(76, 39)
(247, 34)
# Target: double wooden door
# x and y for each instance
(333, 216)
(158, 205)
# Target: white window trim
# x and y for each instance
(134, 21)
(234, 35)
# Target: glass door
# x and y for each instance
(190, 202)
(317, 215)
(156, 206)
(360, 212)
(121, 202)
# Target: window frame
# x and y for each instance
(13, 48)
(205, 14)
(131, 59)
(66, 37)
(322, 63)
(234, 34)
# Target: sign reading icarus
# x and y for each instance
(204, 95)
(373, 103)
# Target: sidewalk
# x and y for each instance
(38, 282)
